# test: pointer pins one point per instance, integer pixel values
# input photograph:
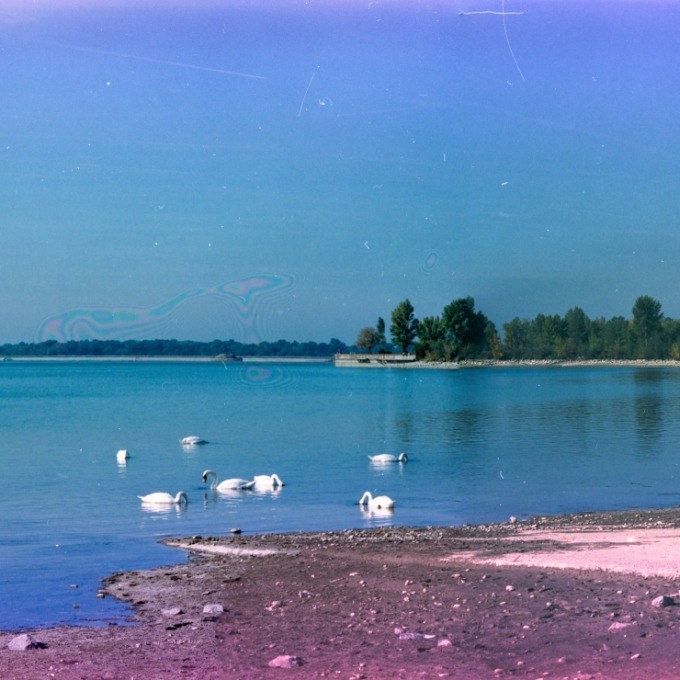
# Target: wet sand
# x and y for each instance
(567, 597)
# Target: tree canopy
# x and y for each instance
(404, 326)
(367, 339)
(462, 332)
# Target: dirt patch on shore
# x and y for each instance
(386, 603)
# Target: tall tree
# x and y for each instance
(548, 336)
(616, 339)
(516, 334)
(578, 331)
(646, 325)
(367, 339)
(596, 348)
(430, 338)
(463, 326)
(671, 333)
(492, 341)
(404, 326)
(382, 339)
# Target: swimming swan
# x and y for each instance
(267, 481)
(389, 458)
(377, 513)
(192, 440)
(122, 456)
(164, 498)
(377, 503)
(227, 484)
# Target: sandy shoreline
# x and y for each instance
(570, 597)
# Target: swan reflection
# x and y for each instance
(377, 513)
(388, 458)
(266, 491)
(163, 510)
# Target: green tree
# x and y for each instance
(404, 326)
(463, 326)
(367, 339)
(646, 327)
(616, 339)
(548, 334)
(516, 338)
(596, 347)
(577, 330)
(430, 343)
(382, 339)
(492, 341)
(671, 333)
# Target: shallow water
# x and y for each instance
(482, 445)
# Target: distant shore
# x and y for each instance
(173, 359)
(513, 363)
(407, 365)
(644, 363)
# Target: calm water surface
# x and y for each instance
(483, 445)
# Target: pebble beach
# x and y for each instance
(584, 596)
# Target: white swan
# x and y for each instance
(227, 484)
(389, 458)
(192, 440)
(377, 502)
(122, 456)
(377, 513)
(267, 481)
(164, 498)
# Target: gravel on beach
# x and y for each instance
(394, 602)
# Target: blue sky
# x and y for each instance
(254, 170)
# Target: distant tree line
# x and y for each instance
(171, 348)
(461, 332)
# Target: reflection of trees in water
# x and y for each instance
(628, 414)
(462, 426)
(404, 428)
(466, 438)
(577, 428)
(649, 419)
(394, 418)
(649, 409)
(469, 426)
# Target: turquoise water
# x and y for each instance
(483, 445)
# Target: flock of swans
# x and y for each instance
(259, 482)
(381, 504)
(237, 484)
(227, 486)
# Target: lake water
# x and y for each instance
(483, 445)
